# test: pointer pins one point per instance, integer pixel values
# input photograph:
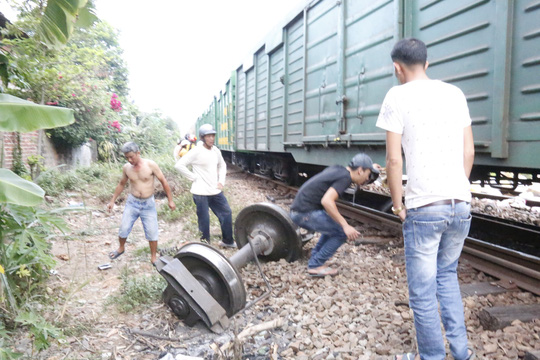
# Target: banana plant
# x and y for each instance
(61, 17)
(25, 116)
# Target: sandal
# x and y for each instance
(327, 271)
(115, 254)
(473, 354)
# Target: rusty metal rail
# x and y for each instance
(508, 265)
(512, 267)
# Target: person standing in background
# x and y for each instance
(208, 176)
(177, 150)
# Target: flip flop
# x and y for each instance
(328, 271)
(406, 356)
(473, 354)
(114, 254)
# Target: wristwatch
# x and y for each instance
(396, 211)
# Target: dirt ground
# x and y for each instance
(360, 314)
(79, 290)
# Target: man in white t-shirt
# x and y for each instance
(208, 176)
(430, 120)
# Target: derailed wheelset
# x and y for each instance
(204, 285)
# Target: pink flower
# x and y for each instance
(115, 124)
(116, 105)
(73, 94)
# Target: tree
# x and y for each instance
(58, 21)
(85, 75)
(26, 253)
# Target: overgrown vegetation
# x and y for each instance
(26, 261)
(98, 180)
(89, 76)
(136, 291)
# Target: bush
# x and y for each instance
(55, 182)
(98, 179)
(25, 251)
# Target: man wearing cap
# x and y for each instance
(208, 176)
(314, 208)
(430, 120)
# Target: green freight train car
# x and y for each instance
(311, 93)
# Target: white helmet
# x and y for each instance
(206, 129)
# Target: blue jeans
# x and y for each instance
(332, 234)
(219, 205)
(434, 237)
(140, 208)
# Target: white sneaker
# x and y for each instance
(225, 245)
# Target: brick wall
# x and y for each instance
(29, 146)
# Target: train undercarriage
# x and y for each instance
(283, 167)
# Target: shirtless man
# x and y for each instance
(140, 203)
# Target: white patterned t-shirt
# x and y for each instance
(430, 115)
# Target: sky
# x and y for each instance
(181, 53)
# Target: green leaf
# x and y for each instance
(58, 21)
(25, 116)
(41, 329)
(16, 190)
(86, 18)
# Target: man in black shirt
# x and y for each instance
(314, 208)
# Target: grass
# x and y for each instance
(98, 180)
(137, 290)
(185, 208)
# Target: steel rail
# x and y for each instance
(511, 266)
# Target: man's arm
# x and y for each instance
(159, 175)
(328, 201)
(182, 165)
(468, 150)
(222, 171)
(119, 188)
(394, 170)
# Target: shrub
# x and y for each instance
(55, 182)
(25, 251)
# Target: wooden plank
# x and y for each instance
(481, 289)
(499, 317)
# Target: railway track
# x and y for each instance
(492, 245)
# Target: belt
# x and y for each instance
(443, 202)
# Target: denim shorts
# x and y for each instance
(140, 208)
